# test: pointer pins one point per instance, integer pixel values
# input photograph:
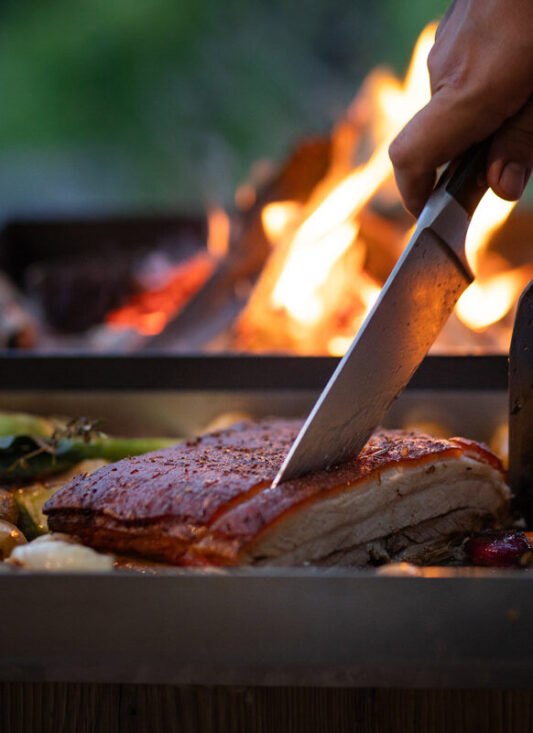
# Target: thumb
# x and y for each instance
(511, 155)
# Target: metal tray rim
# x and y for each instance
(226, 371)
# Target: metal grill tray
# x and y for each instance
(271, 627)
(168, 395)
(261, 626)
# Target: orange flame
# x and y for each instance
(369, 292)
(218, 233)
(491, 213)
(316, 290)
(278, 217)
(300, 281)
(488, 299)
(324, 272)
(330, 228)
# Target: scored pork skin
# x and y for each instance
(209, 501)
(156, 504)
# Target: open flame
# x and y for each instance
(488, 301)
(297, 298)
(218, 233)
(332, 251)
(331, 226)
(316, 289)
(490, 298)
(278, 217)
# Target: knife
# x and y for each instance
(412, 308)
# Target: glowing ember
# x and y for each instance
(149, 312)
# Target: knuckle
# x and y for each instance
(400, 153)
(432, 61)
(396, 153)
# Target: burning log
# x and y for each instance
(149, 311)
(213, 309)
(332, 257)
(320, 280)
(303, 257)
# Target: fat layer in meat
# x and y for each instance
(210, 501)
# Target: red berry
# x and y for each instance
(503, 548)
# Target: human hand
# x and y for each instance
(481, 71)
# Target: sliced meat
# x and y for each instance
(157, 504)
(209, 501)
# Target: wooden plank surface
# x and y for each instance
(99, 708)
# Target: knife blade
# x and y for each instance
(413, 306)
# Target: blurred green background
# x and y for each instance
(156, 104)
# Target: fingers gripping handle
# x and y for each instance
(468, 179)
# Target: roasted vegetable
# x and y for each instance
(30, 501)
(22, 423)
(10, 537)
(8, 507)
(28, 456)
(54, 553)
(34, 447)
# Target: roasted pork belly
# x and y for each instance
(209, 501)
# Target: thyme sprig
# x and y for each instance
(80, 428)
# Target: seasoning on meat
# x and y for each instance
(209, 501)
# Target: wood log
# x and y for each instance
(213, 309)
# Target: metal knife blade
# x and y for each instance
(412, 308)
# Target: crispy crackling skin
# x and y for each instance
(162, 504)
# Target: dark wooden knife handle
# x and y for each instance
(468, 179)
